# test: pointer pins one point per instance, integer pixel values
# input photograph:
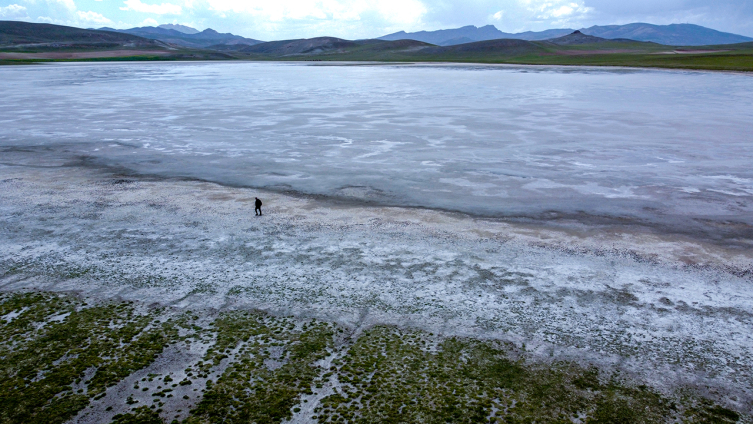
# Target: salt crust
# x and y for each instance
(669, 309)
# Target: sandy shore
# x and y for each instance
(669, 309)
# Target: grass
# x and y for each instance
(51, 369)
(59, 354)
(391, 376)
(742, 61)
(4, 62)
(249, 390)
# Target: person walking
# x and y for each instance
(257, 208)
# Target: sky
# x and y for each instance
(353, 19)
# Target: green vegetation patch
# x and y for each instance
(58, 352)
(390, 376)
(272, 363)
(140, 415)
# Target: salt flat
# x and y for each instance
(570, 216)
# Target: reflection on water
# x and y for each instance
(671, 148)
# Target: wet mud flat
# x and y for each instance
(330, 313)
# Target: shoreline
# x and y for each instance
(157, 59)
(706, 245)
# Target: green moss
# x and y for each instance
(51, 369)
(58, 354)
(387, 376)
(140, 415)
(249, 390)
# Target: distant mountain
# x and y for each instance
(180, 28)
(442, 36)
(455, 41)
(577, 38)
(575, 48)
(16, 33)
(331, 46)
(297, 47)
(470, 33)
(203, 39)
(503, 47)
(542, 35)
(497, 50)
(673, 35)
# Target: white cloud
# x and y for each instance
(393, 11)
(157, 9)
(13, 11)
(92, 17)
(498, 16)
(68, 4)
(401, 11)
(148, 22)
(557, 10)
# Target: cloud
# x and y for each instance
(13, 11)
(157, 9)
(68, 4)
(92, 17)
(557, 10)
(392, 11)
(497, 16)
(148, 22)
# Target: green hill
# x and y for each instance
(572, 49)
(23, 42)
(20, 34)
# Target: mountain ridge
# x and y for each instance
(200, 39)
(674, 34)
(20, 33)
(180, 28)
(23, 43)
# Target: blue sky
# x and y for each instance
(285, 19)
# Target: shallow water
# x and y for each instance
(664, 148)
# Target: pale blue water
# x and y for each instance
(664, 148)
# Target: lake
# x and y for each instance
(667, 149)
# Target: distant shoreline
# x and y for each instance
(98, 57)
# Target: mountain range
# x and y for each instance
(22, 42)
(184, 36)
(180, 28)
(672, 35)
(575, 48)
(331, 48)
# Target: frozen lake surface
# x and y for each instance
(601, 215)
(665, 148)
